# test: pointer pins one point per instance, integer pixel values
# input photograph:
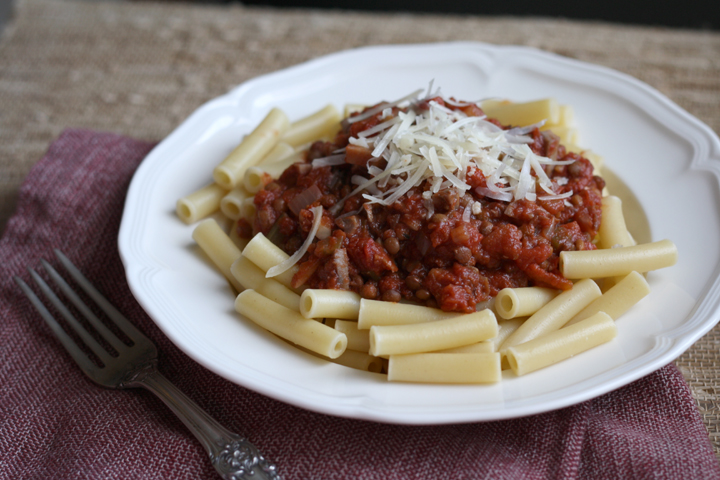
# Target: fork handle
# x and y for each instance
(232, 455)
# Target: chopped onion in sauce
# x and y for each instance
(332, 160)
(305, 198)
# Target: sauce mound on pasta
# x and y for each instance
(443, 219)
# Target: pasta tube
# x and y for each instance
(219, 247)
(279, 293)
(567, 116)
(431, 336)
(554, 314)
(377, 312)
(351, 359)
(247, 273)
(251, 150)
(445, 368)
(613, 231)
(617, 300)
(251, 277)
(248, 209)
(521, 114)
(231, 203)
(312, 127)
(290, 325)
(521, 302)
(257, 177)
(618, 261)
(565, 126)
(561, 344)
(281, 151)
(265, 254)
(486, 346)
(505, 329)
(200, 203)
(358, 340)
(321, 303)
(359, 361)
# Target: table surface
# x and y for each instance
(140, 69)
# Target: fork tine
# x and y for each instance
(122, 323)
(80, 357)
(105, 332)
(89, 341)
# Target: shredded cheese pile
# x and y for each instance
(441, 146)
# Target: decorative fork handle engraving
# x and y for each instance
(240, 460)
(232, 455)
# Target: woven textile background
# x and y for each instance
(140, 69)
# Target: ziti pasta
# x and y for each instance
(391, 232)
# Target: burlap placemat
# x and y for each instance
(140, 69)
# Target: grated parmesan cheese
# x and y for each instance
(441, 145)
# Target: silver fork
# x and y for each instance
(232, 455)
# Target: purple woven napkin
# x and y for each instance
(56, 423)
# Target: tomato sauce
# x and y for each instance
(446, 261)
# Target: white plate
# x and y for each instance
(667, 158)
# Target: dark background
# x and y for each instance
(693, 14)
